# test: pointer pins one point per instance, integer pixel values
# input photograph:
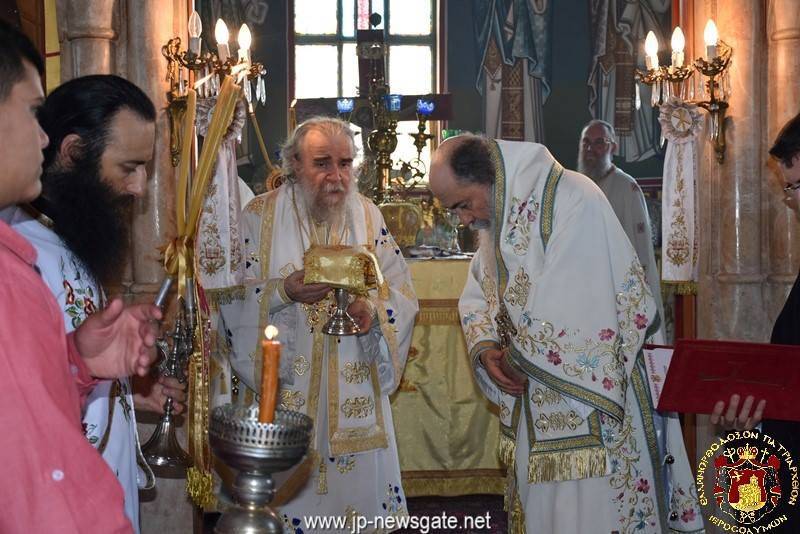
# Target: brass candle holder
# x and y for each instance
(185, 67)
(717, 103)
(671, 80)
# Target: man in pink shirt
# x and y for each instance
(54, 480)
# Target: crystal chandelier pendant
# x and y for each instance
(262, 92)
(247, 91)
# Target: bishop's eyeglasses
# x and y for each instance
(597, 144)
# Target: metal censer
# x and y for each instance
(162, 452)
(255, 450)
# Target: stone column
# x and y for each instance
(150, 24)
(730, 303)
(783, 94)
(88, 31)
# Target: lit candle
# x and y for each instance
(678, 43)
(245, 39)
(710, 36)
(271, 354)
(221, 34)
(195, 29)
(651, 51)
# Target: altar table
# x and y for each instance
(447, 432)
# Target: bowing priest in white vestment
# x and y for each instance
(555, 312)
(598, 143)
(342, 384)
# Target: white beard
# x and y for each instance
(595, 170)
(322, 212)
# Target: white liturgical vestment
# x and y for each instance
(558, 285)
(343, 384)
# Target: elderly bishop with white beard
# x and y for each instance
(343, 384)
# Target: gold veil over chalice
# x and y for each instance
(347, 269)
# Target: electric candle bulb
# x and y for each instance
(245, 40)
(710, 36)
(195, 29)
(678, 43)
(651, 50)
(221, 34)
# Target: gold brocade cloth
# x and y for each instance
(353, 268)
(438, 406)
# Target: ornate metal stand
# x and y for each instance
(341, 323)
(255, 450)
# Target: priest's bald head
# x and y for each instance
(318, 157)
(462, 178)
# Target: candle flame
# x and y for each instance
(245, 38)
(270, 333)
(710, 35)
(221, 32)
(678, 40)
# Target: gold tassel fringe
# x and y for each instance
(199, 486)
(222, 296)
(505, 450)
(516, 517)
(512, 504)
(566, 465)
(683, 288)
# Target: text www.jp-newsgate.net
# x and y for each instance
(355, 524)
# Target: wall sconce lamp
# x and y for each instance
(204, 70)
(672, 80)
